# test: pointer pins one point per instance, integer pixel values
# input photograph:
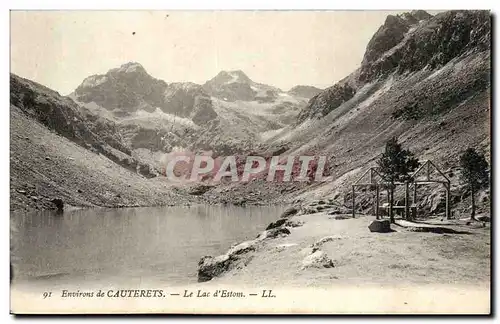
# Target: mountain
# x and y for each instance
(391, 33)
(428, 43)
(156, 117)
(130, 88)
(60, 155)
(236, 85)
(304, 91)
(188, 100)
(423, 79)
(406, 44)
(127, 88)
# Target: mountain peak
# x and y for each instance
(420, 14)
(227, 77)
(239, 74)
(411, 41)
(130, 67)
(304, 91)
(129, 71)
(392, 32)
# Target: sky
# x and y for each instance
(281, 48)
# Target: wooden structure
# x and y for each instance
(372, 179)
(426, 171)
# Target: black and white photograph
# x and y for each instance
(250, 162)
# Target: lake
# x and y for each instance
(155, 245)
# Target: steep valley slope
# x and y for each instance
(55, 156)
(100, 146)
(431, 90)
(424, 79)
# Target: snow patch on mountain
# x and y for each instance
(158, 114)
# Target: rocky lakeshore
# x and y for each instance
(321, 248)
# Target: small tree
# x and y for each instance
(474, 173)
(395, 165)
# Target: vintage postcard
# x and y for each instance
(250, 162)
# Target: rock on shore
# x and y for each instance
(210, 267)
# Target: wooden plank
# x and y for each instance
(420, 168)
(447, 201)
(441, 173)
(415, 192)
(353, 203)
(359, 179)
(407, 202)
(430, 182)
(379, 183)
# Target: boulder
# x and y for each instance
(289, 212)
(380, 226)
(273, 233)
(318, 259)
(242, 248)
(210, 267)
(294, 223)
(59, 203)
(276, 224)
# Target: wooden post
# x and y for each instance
(353, 203)
(377, 198)
(447, 200)
(407, 201)
(414, 209)
(428, 171)
(388, 200)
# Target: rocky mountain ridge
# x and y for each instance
(63, 116)
(160, 117)
(431, 90)
(130, 88)
(236, 85)
(424, 79)
(405, 44)
(59, 155)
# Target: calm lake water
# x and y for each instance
(156, 244)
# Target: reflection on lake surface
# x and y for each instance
(161, 244)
